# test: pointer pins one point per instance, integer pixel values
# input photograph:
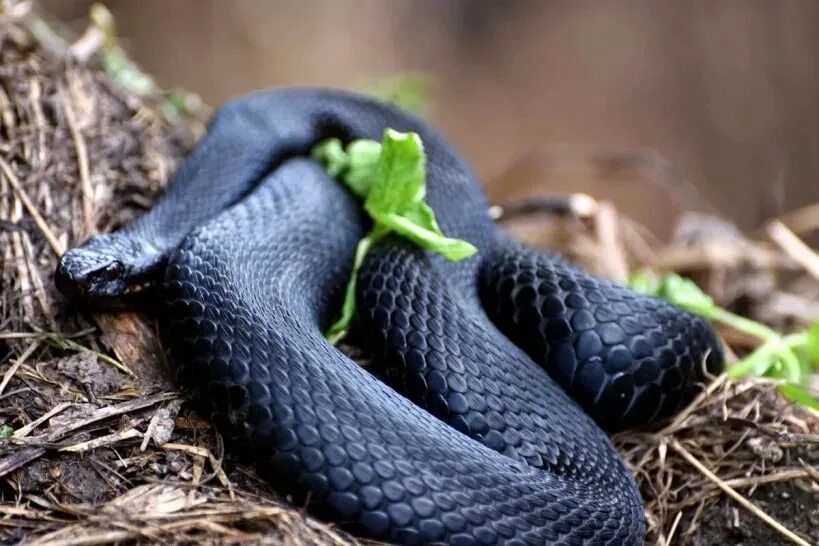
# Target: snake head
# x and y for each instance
(108, 270)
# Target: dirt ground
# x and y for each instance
(97, 446)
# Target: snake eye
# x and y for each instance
(113, 270)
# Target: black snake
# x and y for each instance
(255, 242)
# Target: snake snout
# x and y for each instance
(108, 269)
(84, 273)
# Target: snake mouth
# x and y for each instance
(79, 276)
(100, 278)
(108, 287)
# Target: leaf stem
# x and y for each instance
(742, 324)
(759, 361)
(338, 330)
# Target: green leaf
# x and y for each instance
(410, 91)
(790, 368)
(800, 395)
(675, 289)
(179, 103)
(364, 156)
(401, 174)
(396, 197)
(451, 249)
(339, 328)
(790, 357)
(813, 343)
(391, 178)
(356, 166)
(330, 153)
(5, 432)
(686, 294)
(423, 216)
(645, 282)
(755, 364)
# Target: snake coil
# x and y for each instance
(249, 249)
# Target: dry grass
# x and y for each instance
(103, 449)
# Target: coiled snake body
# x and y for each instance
(254, 243)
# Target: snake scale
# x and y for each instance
(462, 431)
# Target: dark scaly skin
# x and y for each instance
(627, 359)
(246, 139)
(492, 451)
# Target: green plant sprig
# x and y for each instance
(6, 432)
(390, 177)
(789, 357)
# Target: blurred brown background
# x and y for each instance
(726, 91)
